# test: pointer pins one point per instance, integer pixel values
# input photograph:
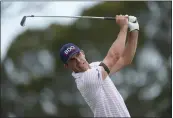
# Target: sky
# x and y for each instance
(12, 13)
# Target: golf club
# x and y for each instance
(22, 23)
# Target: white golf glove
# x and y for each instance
(133, 23)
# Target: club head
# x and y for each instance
(22, 23)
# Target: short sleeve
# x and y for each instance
(93, 77)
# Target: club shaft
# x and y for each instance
(90, 17)
(87, 17)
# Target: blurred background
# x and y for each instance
(34, 81)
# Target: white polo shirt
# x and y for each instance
(101, 95)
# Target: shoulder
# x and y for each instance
(93, 66)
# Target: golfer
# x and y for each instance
(93, 80)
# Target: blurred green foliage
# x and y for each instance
(38, 79)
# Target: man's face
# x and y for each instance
(77, 62)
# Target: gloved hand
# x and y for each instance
(133, 23)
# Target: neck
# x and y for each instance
(76, 71)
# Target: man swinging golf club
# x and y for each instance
(93, 80)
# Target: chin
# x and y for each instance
(83, 70)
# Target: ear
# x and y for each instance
(66, 66)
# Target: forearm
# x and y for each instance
(131, 46)
(118, 46)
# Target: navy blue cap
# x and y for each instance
(67, 51)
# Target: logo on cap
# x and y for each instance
(69, 49)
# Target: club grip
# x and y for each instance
(109, 18)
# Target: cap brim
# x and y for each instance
(75, 52)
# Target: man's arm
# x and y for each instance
(131, 46)
(128, 53)
(117, 48)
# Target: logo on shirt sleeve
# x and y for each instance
(98, 73)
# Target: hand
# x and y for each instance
(133, 23)
(122, 21)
